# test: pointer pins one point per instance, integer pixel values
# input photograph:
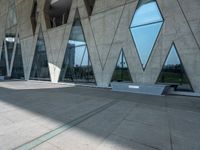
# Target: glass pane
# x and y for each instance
(77, 33)
(10, 42)
(3, 70)
(18, 70)
(145, 37)
(173, 72)
(146, 12)
(40, 69)
(76, 65)
(121, 72)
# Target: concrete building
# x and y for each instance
(109, 26)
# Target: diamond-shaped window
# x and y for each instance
(145, 27)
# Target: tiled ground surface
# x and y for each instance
(29, 110)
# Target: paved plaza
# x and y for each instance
(46, 116)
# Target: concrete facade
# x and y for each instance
(107, 32)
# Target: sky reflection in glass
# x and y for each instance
(146, 13)
(145, 28)
(173, 58)
(81, 53)
(122, 61)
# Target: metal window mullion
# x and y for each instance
(146, 24)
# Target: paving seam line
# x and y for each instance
(51, 134)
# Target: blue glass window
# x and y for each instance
(145, 27)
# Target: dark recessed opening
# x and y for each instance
(34, 15)
(89, 5)
(56, 12)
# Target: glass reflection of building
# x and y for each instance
(77, 66)
(121, 72)
(145, 27)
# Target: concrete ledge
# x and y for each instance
(139, 88)
(171, 91)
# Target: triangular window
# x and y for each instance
(18, 70)
(10, 43)
(77, 66)
(121, 72)
(173, 72)
(40, 69)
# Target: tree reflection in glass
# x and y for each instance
(121, 72)
(173, 72)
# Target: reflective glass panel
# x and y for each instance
(3, 70)
(18, 70)
(10, 42)
(40, 69)
(146, 12)
(77, 66)
(145, 27)
(121, 72)
(173, 72)
(145, 42)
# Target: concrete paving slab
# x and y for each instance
(135, 122)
